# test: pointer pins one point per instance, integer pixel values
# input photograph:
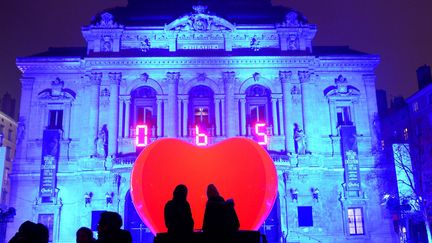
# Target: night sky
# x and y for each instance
(399, 31)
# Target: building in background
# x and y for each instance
(8, 136)
(224, 66)
(8, 132)
(8, 105)
(406, 130)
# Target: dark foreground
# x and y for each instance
(198, 237)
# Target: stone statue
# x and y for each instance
(102, 142)
(299, 140)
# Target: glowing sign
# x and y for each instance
(239, 168)
(141, 135)
(260, 131)
(200, 138)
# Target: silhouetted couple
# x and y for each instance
(220, 218)
(30, 232)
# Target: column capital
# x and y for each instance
(173, 77)
(285, 76)
(304, 76)
(276, 96)
(115, 78)
(369, 79)
(184, 97)
(229, 76)
(27, 82)
(95, 78)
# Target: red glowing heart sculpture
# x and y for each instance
(240, 169)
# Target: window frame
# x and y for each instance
(355, 222)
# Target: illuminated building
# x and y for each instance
(201, 77)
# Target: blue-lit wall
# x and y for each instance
(104, 95)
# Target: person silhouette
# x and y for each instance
(220, 217)
(84, 235)
(109, 229)
(178, 215)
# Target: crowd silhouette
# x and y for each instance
(219, 225)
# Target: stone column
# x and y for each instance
(115, 79)
(171, 117)
(230, 105)
(67, 120)
(94, 93)
(159, 116)
(121, 128)
(372, 109)
(275, 117)
(243, 116)
(127, 101)
(180, 116)
(223, 116)
(217, 117)
(282, 127)
(285, 78)
(185, 116)
(309, 109)
(24, 116)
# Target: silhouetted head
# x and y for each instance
(180, 193)
(27, 228)
(84, 235)
(42, 233)
(108, 222)
(212, 192)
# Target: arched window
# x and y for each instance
(201, 108)
(144, 108)
(258, 106)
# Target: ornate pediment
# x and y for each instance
(341, 88)
(200, 21)
(106, 22)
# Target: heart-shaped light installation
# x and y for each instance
(239, 167)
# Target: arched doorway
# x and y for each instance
(271, 226)
(133, 223)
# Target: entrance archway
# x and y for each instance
(133, 223)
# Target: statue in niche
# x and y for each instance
(292, 42)
(102, 142)
(299, 140)
(106, 44)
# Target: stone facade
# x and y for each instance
(201, 69)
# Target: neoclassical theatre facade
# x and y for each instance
(200, 72)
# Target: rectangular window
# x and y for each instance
(343, 115)
(55, 119)
(415, 106)
(48, 221)
(305, 218)
(10, 135)
(8, 154)
(355, 221)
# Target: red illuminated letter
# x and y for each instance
(200, 138)
(260, 131)
(141, 135)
